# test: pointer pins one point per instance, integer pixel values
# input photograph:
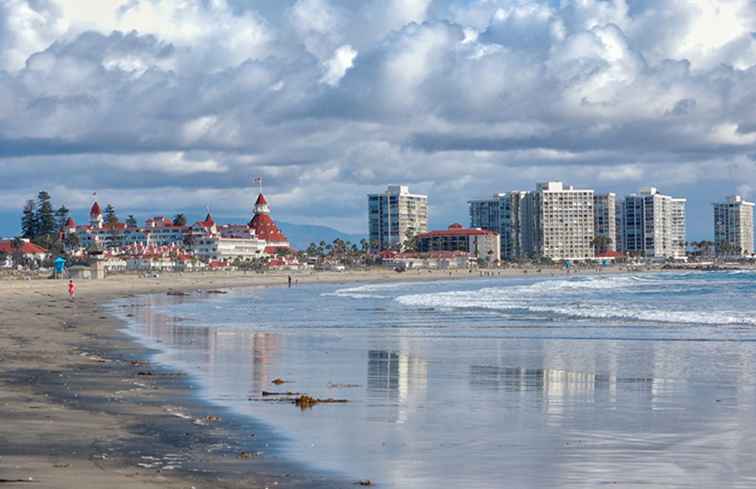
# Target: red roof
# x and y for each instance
(208, 222)
(266, 229)
(70, 223)
(609, 254)
(95, 210)
(261, 200)
(27, 248)
(455, 231)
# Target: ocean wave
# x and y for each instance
(606, 298)
(369, 291)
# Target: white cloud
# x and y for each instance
(338, 65)
(200, 95)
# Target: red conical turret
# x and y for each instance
(263, 225)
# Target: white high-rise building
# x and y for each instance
(653, 225)
(678, 223)
(733, 227)
(559, 222)
(605, 222)
(396, 215)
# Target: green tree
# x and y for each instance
(61, 216)
(179, 220)
(312, 250)
(410, 241)
(601, 243)
(29, 220)
(131, 221)
(110, 215)
(71, 241)
(45, 215)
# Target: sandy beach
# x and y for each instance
(81, 402)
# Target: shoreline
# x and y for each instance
(85, 414)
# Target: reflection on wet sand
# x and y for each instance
(232, 360)
(551, 381)
(399, 378)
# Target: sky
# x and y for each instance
(163, 106)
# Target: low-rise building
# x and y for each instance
(480, 243)
(23, 248)
(432, 260)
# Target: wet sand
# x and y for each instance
(83, 408)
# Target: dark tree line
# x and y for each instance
(41, 223)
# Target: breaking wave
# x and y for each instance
(370, 291)
(679, 299)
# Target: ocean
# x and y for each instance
(579, 381)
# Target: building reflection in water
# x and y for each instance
(232, 360)
(398, 378)
(552, 383)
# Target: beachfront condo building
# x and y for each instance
(733, 226)
(558, 222)
(678, 222)
(554, 221)
(501, 214)
(605, 223)
(653, 225)
(394, 216)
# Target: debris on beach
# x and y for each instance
(364, 482)
(145, 374)
(268, 393)
(212, 419)
(93, 357)
(137, 363)
(278, 381)
(216, 292)
(306, 402)
(177, 293)
(247, 455)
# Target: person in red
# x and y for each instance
(71, 289)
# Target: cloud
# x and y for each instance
(338, 65)
(324, 98)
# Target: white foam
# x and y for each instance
(366, 291)
(581, 298)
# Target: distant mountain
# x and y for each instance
(301, 235)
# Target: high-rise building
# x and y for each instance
(501, 214)
(485, 213)
(395, 216)
(677, 222)
(733, 226)
(653, 225)
(559, 222)
(605, 223)
(619, 224)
